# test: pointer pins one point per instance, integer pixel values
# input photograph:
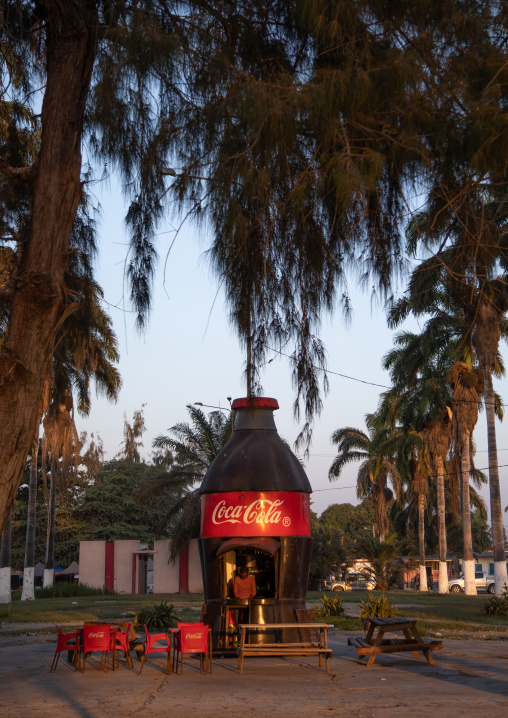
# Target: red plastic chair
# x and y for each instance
(120, 642)
(63, 645)
(97, 638)
(192, 638)
(151, 639)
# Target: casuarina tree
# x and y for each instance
(309, 121)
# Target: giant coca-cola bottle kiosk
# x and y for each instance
(255, 514)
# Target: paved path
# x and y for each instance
(471, 677)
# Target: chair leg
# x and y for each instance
(143, 659)
(54, 662)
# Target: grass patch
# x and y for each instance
(94, 608)
(451, 613)
(67, 590)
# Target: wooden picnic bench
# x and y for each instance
(372, 645)
(304, 648)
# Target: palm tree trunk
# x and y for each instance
(28, 593)
(421, 542)
(496, 509)
(441, 516)
(5, 563)
(49, 569)
(381, 517)
(468, 567)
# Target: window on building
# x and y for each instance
(491, 569)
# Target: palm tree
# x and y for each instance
(489, 318)
(465, 385)
(61, 442)
(468, 276)
(376, 469)
(194, 446)
(413, 460)
(383, 556)
(420, 400)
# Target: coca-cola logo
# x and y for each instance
(255, 513)
(96, 635)
(260, 511)
(193, 635)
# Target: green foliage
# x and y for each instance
(384, 557)
(377, 607)
(63, 589)
(109, 509)
(155, 618)
(5, 612)
(496, 606)
(330, 606)
(335, 533)
(193, 447)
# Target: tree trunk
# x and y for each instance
(421, 542)
(5, 563)
(38, 301)
(28, 593)
(496, 509)
(49, 565)
(468, 567)
(441, 516)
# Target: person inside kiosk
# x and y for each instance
(245, 586)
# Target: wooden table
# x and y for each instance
(372, 645)
(317, 648)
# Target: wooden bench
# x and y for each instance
(319, 648)
(412, 640)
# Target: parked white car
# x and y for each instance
(332, 584)
(456, 585)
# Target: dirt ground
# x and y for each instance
(469, 677)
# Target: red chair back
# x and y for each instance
(122, 639)
(152, 638)
(96, 638)
(193, 638)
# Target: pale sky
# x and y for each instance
(190, 353)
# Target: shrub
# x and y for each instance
(69, 590)
(155, 618)
(377, 607)
(329, 607)
(5, 613)
(496, 606)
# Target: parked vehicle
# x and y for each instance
(456, 585)
(332, 584)
(360, 580)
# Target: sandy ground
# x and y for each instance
(469, 677)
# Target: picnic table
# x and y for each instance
(318, 647)
(372, 645)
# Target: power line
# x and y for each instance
(429, 476)
(364, 381)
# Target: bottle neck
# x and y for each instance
(255, 418)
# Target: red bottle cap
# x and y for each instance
(265, 402)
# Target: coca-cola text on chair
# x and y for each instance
(63, 645)
(120, 642)
(192, 638)
(97, 638)
(150, 647)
